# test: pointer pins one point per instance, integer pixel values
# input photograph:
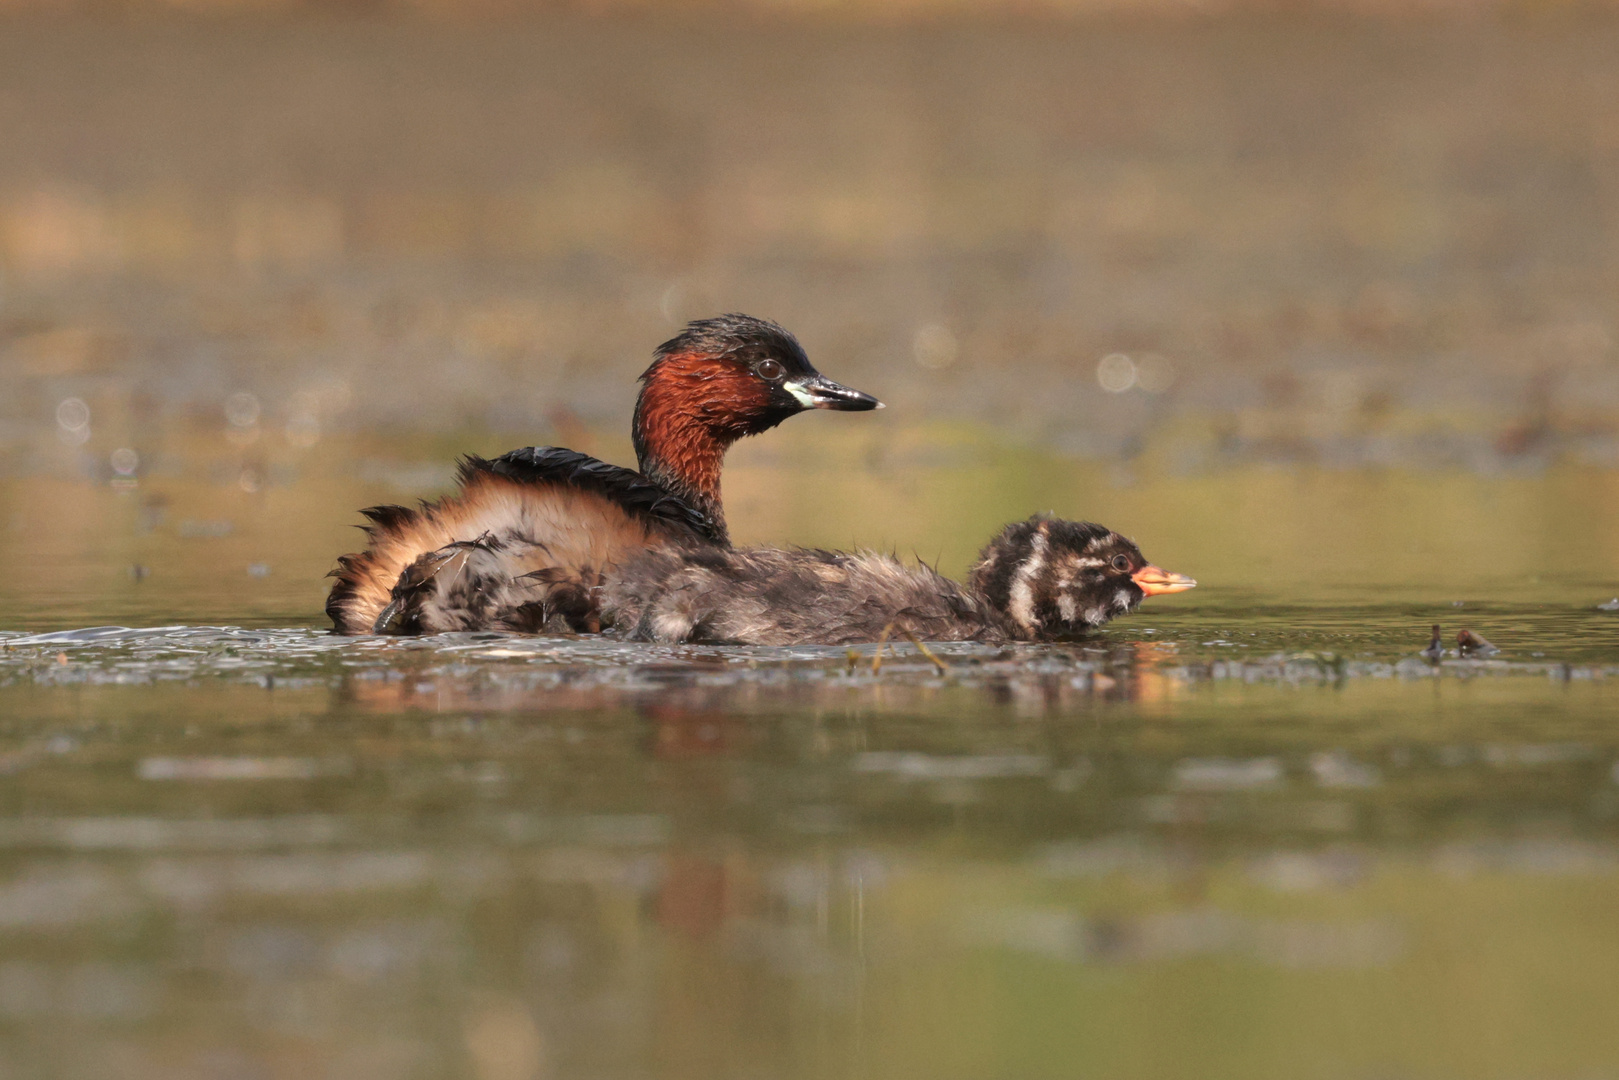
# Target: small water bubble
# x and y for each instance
(72, 413)
(73, 421)
(1154, 373)
(125, 461)
(242, 409)
(934, 347)
(1116, 373)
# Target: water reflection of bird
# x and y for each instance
(529, 535)
(1040, 579)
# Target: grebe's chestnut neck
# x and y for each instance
(717, 381)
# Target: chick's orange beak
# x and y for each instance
(1155, 581)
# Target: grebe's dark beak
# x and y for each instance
(820, 392)
(1155, 581)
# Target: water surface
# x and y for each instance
(1245, 832)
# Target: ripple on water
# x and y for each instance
(1276, 647)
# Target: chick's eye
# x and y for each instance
(770, 370)
(1121, 563)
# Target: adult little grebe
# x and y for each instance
(1039, 580)
(525, 541)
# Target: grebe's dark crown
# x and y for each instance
(740, 338)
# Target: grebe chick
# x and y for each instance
(1039, 580)
(528, 536)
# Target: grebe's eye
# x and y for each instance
(1121, 563)
(770, 370)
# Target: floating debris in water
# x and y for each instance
(1470, 644)
(258, 570)
(237, 768)
(1436, 647)
(1227, 774)
(1611, 605)
(1336, 769)
(138, 572)
(912, 765)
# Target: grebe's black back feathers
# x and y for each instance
(521, 545)
(386, 518)
(626, 487)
